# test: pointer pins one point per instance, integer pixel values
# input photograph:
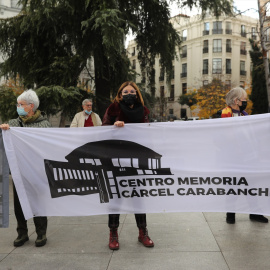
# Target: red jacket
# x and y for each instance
(114, 113)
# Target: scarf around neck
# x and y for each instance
(30, 119)
(135, 114)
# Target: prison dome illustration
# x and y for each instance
(94, 168)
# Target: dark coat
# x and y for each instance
(114, 113)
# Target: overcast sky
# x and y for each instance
(249, 7)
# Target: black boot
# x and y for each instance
(230, 218)
(259, 218)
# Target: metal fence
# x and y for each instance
(4, 186)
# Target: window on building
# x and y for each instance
(205, 66)
(184, 34)
(243, 49)
(171, 98)
(217, 65)
(134, 64)
(183, 113)
(143, 77)
(171, 111)
(206, 28)
(242, 68)
(228, 45)
(161, 76)
(184, 70)
(228, 66)
(133, 51)
(184, 51)
(162, 94)
(184, 88)
(217, 45)
(228, 28)
(173, 72)
(205, 46)
(253, 33)
(243, 31)
(217, 27)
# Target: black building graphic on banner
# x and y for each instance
(94, 167)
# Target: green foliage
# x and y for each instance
(188, 99)
(8, 101)
(49, 42)
(55, 99)
(259, 91)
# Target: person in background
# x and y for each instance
(29, 116)
(86, 118)
(127, 107)
(236, 99)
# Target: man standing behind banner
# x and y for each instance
(29, 116)
(236, 99)
(86, 118)
(128, 107)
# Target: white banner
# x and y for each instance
(215, 165)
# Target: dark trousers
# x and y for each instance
(40, 222)
(114, 221)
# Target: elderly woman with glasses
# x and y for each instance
(127, 107)
(29, 116)
(86, 118)
(236, 99)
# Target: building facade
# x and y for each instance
(211, 48)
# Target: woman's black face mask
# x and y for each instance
(129, 99)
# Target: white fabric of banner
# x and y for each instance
(215, 165)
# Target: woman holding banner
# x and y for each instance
(236, 99)
(127, 107)
(29, 116)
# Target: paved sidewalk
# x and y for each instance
(182, 241)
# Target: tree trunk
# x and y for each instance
(62, 120)
(262, 17)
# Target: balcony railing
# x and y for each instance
(217, 31)
(205, 71)
(205, 50)
(184, 38)
(228, 71)
(183, 74)
(183, 55)
(244, 52)
(217, 49)
(217, 71)
(243, 72)
(228, 31)
(170, 99)
(243, 34)
(228, 49)
(205, 32)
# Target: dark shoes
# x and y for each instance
(258, 218)
(144, 238)
(20, 240)
(230, 218)
(41, 241)
(113, 241)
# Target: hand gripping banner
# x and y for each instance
(216, 165)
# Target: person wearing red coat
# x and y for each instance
(127, 107)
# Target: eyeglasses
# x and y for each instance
(21, 105)
(88, 105)
(132, 91)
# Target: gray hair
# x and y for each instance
(237, 92)
(86, 101)
(30, 97)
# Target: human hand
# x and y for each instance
(119, 123)
(4, 126)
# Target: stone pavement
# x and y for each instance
(182, 241)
